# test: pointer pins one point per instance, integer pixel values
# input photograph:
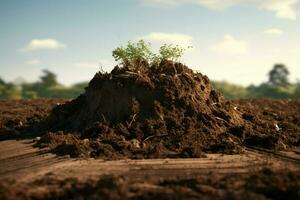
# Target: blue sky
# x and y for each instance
(234, 40)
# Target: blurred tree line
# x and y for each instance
(46, 87)
(278, 87)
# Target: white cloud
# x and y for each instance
(33, 62)
(211, 4)
(216, 4)
(230, 45)
(169, 38)
(39, 44)
(273, 31)
(284, 9)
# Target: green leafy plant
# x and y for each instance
(135, 52)
(171, 52)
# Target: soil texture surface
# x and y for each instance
(165, 111)
(18, 117)
(31, 173)
(150, 132)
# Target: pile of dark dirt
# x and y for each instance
(145, 112)
(155, 112)
(263, 184)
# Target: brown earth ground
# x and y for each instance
(32, 173)
(162, 110)
(18, 116)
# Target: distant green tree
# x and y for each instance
(278, 76)
(2, 82)
(12, 91)
(29, 94)
(266, 90)
(49, 79)
(231, 91)
(2, 92)
(43, 88)
(67, 92)
(297, 90)
(277, 87)
(80, 87)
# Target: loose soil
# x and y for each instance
(271, 124)
(18, 117)
(29, 173)
(263, 184)
(163, 111)
(148, 112)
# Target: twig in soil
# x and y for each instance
(152, 136)
(126, 75)
(277, 127)
(175, 70)
(132, 120)
(62, 111)
(101, 68)
(218, 118)
(132, 73)
(189, 77)
(103, 117)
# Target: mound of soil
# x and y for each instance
(166, 110)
